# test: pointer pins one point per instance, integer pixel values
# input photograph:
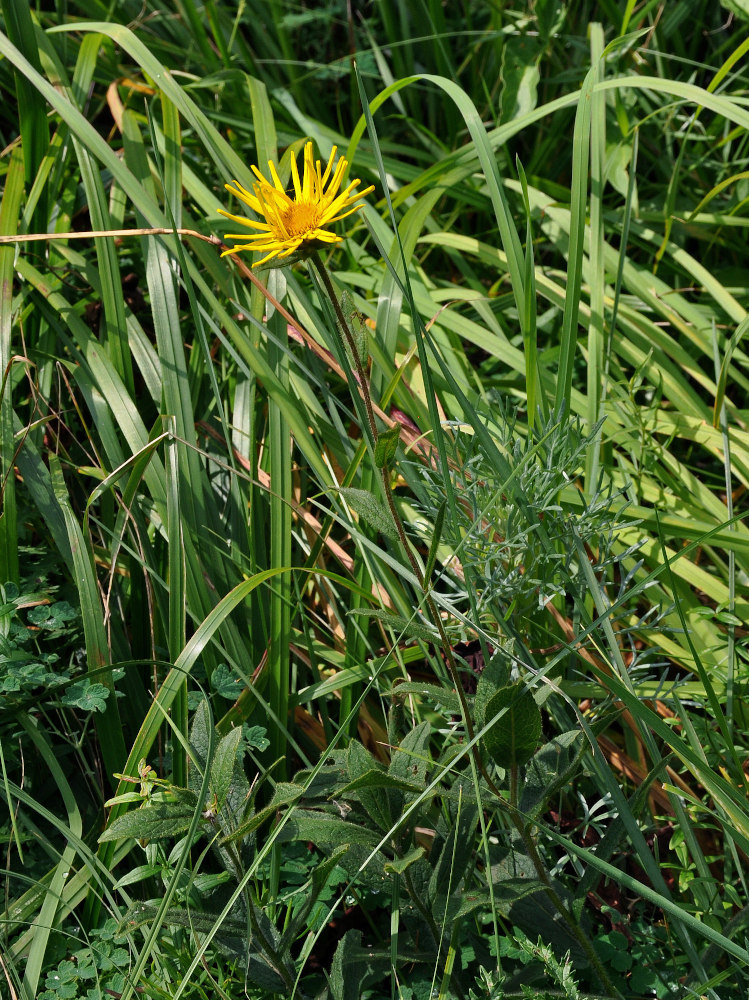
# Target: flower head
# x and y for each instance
(295, 225)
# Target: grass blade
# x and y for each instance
(9, 209)
(108, 723)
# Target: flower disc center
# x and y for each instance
(301, 218)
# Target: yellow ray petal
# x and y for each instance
(287, 225)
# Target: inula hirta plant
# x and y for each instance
(295, 225)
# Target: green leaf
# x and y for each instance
(409, 761)
(547, 771)
(137, 874)
(86, 696)
(9, 217)
(379, 779)
(200, 742)
(362, 767)
(450, 867)
(52, 616)
(520, 76)
(32, 113)
(318, 881)
(550, 15)
(367, 868)
(351, 967)
(728, 618)
(387, 446)
(740, 8)
(365, 505)
(512, 740)
(578, 198)
(513, 876)
(66, 972)
(256, 737)
(285, 793)
(227, 682)
(406, 626)
(495, 675)
(471, 901)
(224, 763)
(158, 821)
(511, 889)
(401, 864)
(443, 696)
(325, 828)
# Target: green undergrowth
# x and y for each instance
(375, 626)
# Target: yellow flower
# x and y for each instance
(294, 225)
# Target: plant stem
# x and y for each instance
(514, 786)
(516, 817)
(361, 374)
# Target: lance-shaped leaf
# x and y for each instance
(512, 739)
(325, 828)
(387, 446)
(284, 794)
(413, 628)
(548, 770)
(157, 821)
(368, 508)
(361, 764)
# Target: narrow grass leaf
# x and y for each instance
(108, 723)
(9, 210)
(46, 918)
